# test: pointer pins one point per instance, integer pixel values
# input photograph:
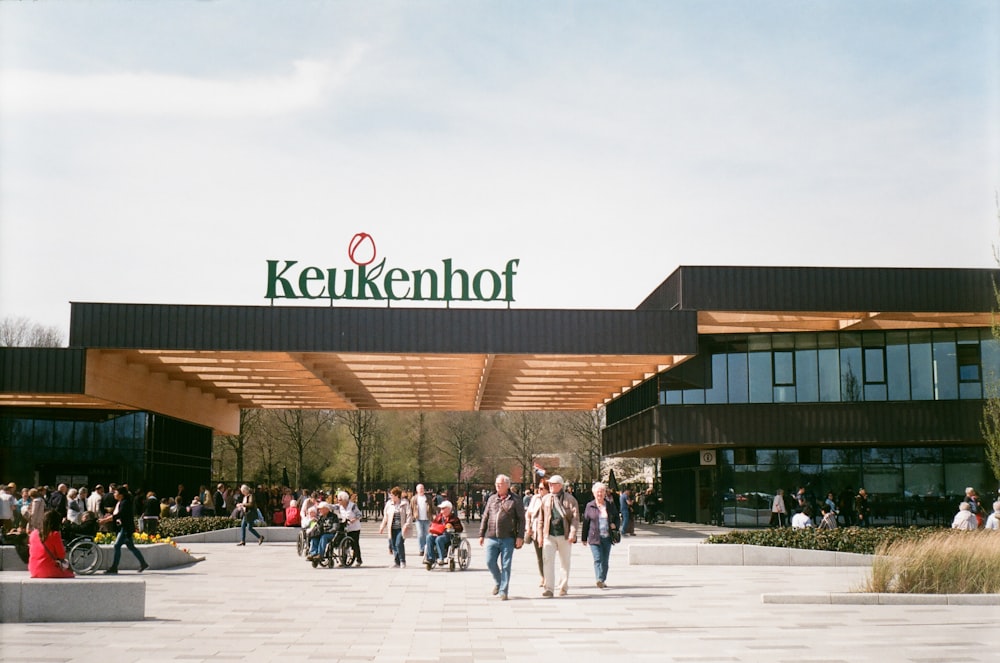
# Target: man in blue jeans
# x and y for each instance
(502, 531)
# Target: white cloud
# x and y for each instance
(305, 87)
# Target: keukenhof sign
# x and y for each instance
(368, 280)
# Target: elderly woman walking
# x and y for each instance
(396, 517)
(600, 520)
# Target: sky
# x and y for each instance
(163, 152)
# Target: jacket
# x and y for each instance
(123, 518)
(503, 518)
(592, 520)
(571, 517)
(415, 507)
(405, 516)
(442, 523)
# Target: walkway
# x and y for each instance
(264, 603)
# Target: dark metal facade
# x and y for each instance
(301, 329)
(825, 289)
(42, 370)
(798, 424)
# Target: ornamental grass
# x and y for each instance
(946, 562)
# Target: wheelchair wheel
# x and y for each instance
(84, 556)
(345, 552)
(464, 554)
(300, 544)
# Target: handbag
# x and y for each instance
(61, 563)
(616, 536)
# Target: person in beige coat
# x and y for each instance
(396, 518)
(560, 522)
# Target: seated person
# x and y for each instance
(86, 527)
(829, 520)
(46, 551)
(439, 538)
(292, 516)
(803, 519)
(323, 531)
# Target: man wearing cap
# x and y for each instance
(438, 536)
(323, 532)
(560, 519)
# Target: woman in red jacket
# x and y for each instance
(46, 550)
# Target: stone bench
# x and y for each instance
(722, 554)
(82, 599)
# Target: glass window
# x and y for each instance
(850, 367)
(62, 434)
(806, 376)
(761, 380)
(874, 365)
(670, 397)
(694, 397)
(957, 476)
(718, 391)
(945, 365)
(923, 480)
(922, 455)
(829, 368)
(738, 380)
(851, 456)
(880, 455)
(42, 434)
(897, 366)
(968, 361)
(921, 372)
(883, 479)
(784, 368)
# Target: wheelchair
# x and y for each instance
(459, 552)
(339, 550)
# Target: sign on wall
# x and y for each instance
(368, 280)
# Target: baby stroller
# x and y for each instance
(339, 550)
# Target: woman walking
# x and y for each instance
(123, 516)
(247, 508)
(396, 517)
(600, 519)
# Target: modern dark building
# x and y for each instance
(739, 379)
(827, 379)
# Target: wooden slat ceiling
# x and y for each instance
(400, 381)
(735, 322)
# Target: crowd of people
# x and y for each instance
(854, 509)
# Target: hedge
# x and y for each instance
(180, 526)
(865, 540)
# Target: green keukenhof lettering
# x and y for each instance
(364, 282)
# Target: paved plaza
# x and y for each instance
(267, 604)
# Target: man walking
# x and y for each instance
(501, 531)
(422, 509)
(560, 515)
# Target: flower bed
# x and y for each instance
(864, 540)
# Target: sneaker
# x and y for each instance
(547, 594)
(601, 584)
(242, 543)
(496, 589)
(402, 565)
(395, 565)
(111, 572)
(260, 541)
(503, 597)
(442, 562)
(143, 567)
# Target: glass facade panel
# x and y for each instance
(923, 480)
(718, 391)
(806, 376)
(945, 366)
(739, 388)
(761, 380)
(921, 371)
(958, 476)
(897, 362)
(850, 367)
(844, 367)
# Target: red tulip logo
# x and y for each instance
(361, 250)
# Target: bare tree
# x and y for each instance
(990, 426)
(300, 430)
(22, 333)
(363, 427)
(421, 445)
(523, 433)
(583, 432)
(462, 431)
(249, 428)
